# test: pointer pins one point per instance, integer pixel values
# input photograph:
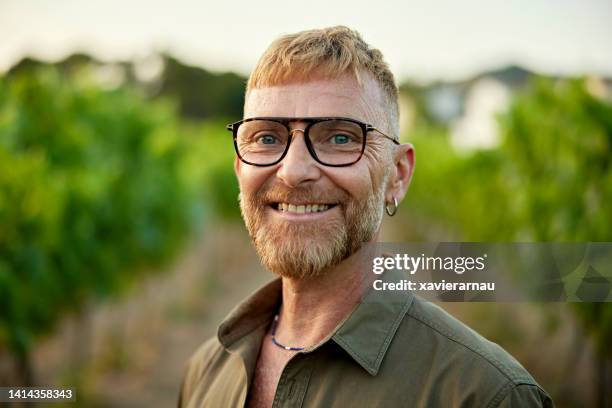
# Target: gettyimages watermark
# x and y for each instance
(504, 272)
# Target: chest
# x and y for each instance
(328, 377)
(268, 370)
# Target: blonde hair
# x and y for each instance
(329, 52)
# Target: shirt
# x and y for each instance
(394, 350)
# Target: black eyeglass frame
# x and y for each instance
(310, 121)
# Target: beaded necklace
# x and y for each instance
(274, 324)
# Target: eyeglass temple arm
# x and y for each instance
(394, 140)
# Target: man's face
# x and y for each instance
(349, 200)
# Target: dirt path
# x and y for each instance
(138, 346)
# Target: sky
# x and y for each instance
(421, 40)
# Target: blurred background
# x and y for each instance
(121, 243)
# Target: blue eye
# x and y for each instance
(267, 139)
(340, 139)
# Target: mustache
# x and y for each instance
(301, 194)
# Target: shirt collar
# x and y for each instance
(365, 335)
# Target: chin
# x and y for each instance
(301, 251)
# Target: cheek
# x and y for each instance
(252, 178)
(357, 181)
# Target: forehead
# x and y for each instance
(342, 96)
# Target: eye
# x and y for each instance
(267, 139)
(339, 138)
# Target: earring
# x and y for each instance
(392, 212)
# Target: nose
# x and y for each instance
(298, 166)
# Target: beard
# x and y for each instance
(308, 249)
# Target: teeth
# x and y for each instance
(302, 208)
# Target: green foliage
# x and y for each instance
(202, 94)
(199, 93)
(92, 194)
(549, 180)
(559, 141)
(211, 163)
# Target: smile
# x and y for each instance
(302, 208)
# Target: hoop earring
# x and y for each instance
(391, 213)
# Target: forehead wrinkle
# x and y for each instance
(311, 98)
(297, 104)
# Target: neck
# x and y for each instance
(313, 307)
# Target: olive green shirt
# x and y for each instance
(394, 350)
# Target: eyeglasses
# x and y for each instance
(331, 141)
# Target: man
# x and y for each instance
(318, 164)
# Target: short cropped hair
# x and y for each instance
(330, 52)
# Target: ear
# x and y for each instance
(237, 166)
(401, 175)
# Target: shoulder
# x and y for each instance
(453, 335)
(197, 366)
(458, 359)
(202, 358)
(522, 395)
